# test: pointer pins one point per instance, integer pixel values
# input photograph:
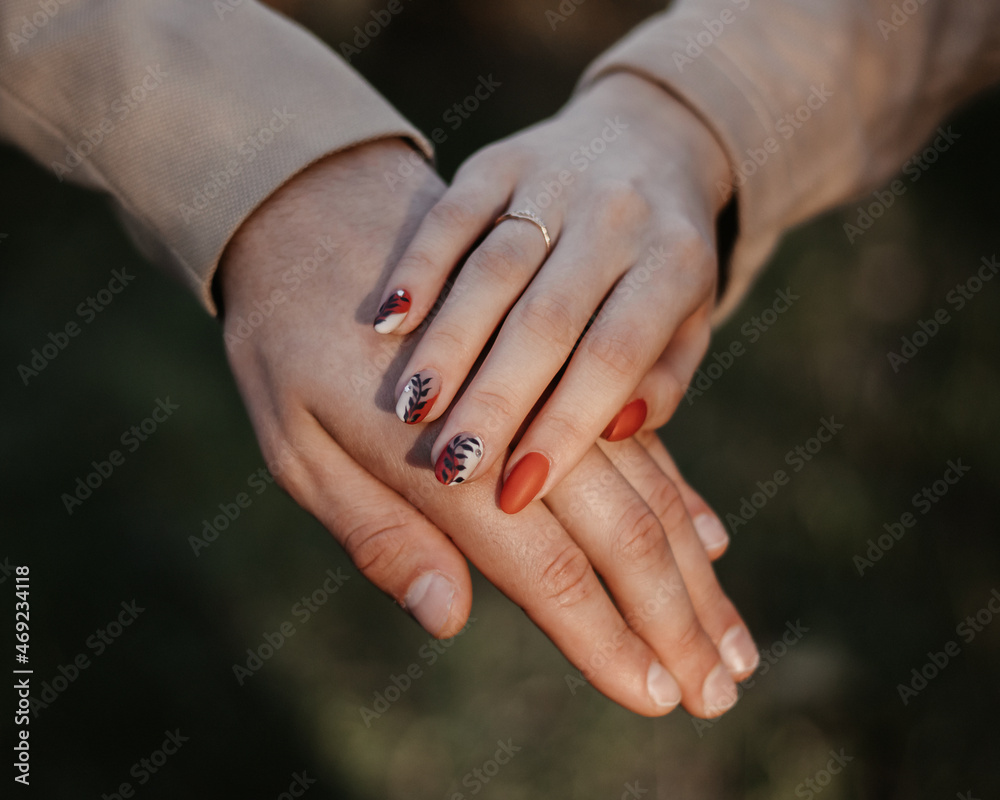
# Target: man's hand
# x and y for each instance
(300, 282)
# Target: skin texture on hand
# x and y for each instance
(300, 283)
(624, 181)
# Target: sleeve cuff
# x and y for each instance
(187, 117)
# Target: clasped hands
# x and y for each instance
(633, 254)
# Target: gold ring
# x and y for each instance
(532, 217)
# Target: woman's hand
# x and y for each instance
(299, 283)
(624, 180)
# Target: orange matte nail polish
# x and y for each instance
(524, 482)
(627, 422)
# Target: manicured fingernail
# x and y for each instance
(738, 651)
(459, 459)
(710, 531)
(429, 600)
(626, 422)
(661, 686)
(417, 398)
(718, 693)
(524, 482)
(393, 311)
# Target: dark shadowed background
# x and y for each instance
(850, 639)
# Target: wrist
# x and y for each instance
(671, 125)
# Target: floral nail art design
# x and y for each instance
(393, 311)
(417, 398)
(459, 459)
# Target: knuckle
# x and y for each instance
(451, 213)
(450, 339)
(638, 541)
(618, 351)
(549, 317)
(567, 428)
(568, 579)
(490, 158)
(497, 406)
(375, 543)
(622, 204)
(419, 262)
(500, 260)
(667, 505)
(689, 638)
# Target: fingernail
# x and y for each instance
(661, 686)
(459, 459)
(710, 531)
(738, 651)
(417, 398)
(626, 422)
(429, 600)
(718, 693)
(524, 482)
(393, 311)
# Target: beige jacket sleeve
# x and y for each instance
(188, 113)
(814, 101)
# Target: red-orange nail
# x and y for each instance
(524, 482)
(627, 422)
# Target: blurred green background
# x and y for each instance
(793, 564)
